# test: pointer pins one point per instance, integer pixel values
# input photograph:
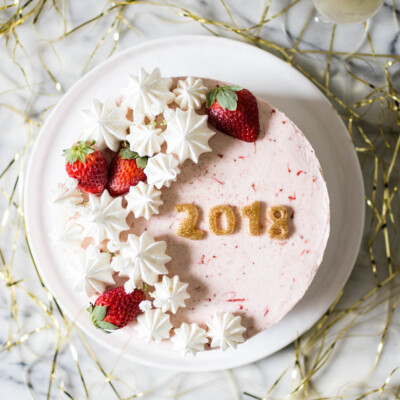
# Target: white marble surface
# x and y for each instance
(68, 59)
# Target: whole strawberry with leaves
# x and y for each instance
(233, 111)
(126, 170)
(115, 308)
(88, 165)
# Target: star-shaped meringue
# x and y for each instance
(190, 93)
(187, 134)
(148, 94)
(141, 258)
(106, 123)
(143, 200)
(91, 271)
(225, 330)
(103, 217)
(145, 139)
(67, 235)
(161, 170)
(153, 325)
(170, 294)
(189, 339)
(67, 193)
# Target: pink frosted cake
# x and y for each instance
(193, 213)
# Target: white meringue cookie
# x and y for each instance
(161, 170)
(187, 134)
(67, 236)
(153, 325)
(225, 330)
(91, 271)
(113, 246)
(103, 217)
(106, 124)
(190, 93)
(148, 94)
(145, 305)
(189, 338)
(141, 258)
(67, 193)
(143, 200)
(170, 294)
(145, 139)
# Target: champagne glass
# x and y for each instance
(350, 18)
(348, 11)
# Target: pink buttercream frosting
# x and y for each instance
(256, 277)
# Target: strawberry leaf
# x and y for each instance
(210, 98)
(78, 152)
(106, 326)
(227, 99)
(128, 154)
(141, 162)
(98, 313)
(235, 88)
(225, 96)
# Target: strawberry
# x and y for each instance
(88, 166)
(115, 308)
(126, 170)
(234, 111)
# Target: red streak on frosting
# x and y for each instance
(266, 311)
(305, 252)
(255, 147)
(215, 179)
(232, 300)
(241, 307)
(283, 122)
(241, 157)
(202, 259)
(314, 179)
(292, 197)
(288, 168)
(299, 172)
(253, 187)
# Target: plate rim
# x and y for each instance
(87, 76)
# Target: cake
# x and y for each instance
(193, 214)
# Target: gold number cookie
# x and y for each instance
(187, 228)
(252, 212)
(213, 215)
(278, 217)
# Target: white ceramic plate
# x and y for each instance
(266, 76)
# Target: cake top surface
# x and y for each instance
(235, 269)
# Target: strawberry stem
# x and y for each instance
(78, 152)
